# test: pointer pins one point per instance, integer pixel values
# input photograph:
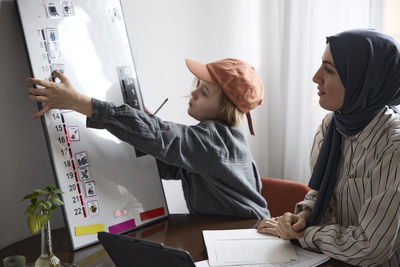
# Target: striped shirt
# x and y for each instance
(361, 226)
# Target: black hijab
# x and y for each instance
(368, 63)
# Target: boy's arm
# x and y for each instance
(187, 147)
(168, 172)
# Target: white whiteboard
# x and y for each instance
(108, 185)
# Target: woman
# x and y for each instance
(352, 213)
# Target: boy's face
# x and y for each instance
(204, 103)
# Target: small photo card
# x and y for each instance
(52, 11)
(93, 207)
(59, 67)
(84, 173)
(52, 35)
(67, 8)
(90, 189)
(82, 159)
(73, 133)
(53, 46)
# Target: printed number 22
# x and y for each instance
(78, 211)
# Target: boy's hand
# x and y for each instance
(58, 95)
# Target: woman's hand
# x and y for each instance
(268, 226)
(58, 95)
(287, 226)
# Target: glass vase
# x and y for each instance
(47, 258)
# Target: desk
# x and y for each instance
(179, 231)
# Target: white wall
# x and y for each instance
(162, 34)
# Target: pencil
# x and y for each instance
(165, 101)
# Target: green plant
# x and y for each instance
(44, 200)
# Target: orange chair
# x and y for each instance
(282, 195)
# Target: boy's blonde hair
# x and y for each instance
(229, 113)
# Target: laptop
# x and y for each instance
(126, 251)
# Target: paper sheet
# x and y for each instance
(304, 258)
(246, 246)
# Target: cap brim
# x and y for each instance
(199, 70)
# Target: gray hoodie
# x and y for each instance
(213, 160)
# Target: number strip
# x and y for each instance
(77, 186)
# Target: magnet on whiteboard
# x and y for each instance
(114, 14)
(89, 229)
(150, 214)
(120, 227)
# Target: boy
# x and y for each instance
(211, 158)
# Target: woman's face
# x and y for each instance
(205, 101)
(330, 87)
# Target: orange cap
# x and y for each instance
(238, 80)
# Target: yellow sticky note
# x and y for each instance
(89, 229)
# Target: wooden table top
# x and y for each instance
(182, 231)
